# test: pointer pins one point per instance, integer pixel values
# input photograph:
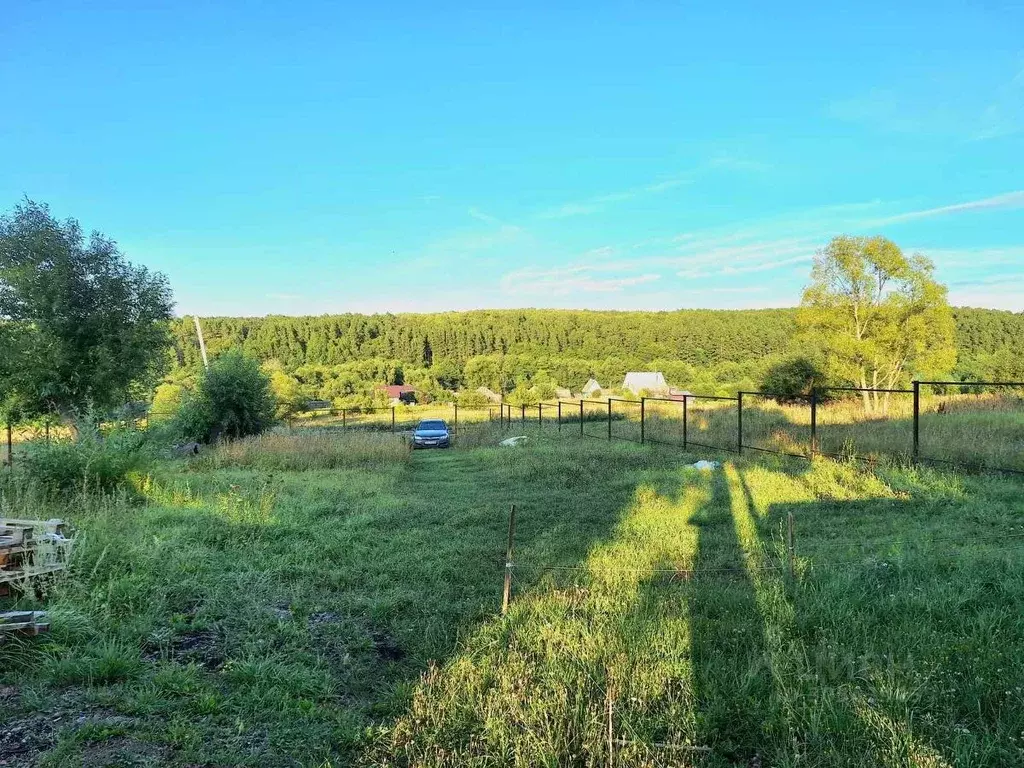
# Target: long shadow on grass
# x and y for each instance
(849, 661)
(732, 676)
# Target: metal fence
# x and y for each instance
(933, 422)
(929, 423)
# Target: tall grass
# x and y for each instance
(309, 450)
(347, 615)
(985, 431)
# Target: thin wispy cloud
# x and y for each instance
(738, 163)
(932, 108)
(1007, 200)
(570, 281)
(571, 209)
(479, 215)
(601, 202)
(731, 271)
(1005, 114)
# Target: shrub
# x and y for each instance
(792, 380)
(91, 460)
(233, 400)
(472, 399)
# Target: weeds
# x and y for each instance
(261, 609)
(309, 450)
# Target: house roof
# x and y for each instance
(650, 380)
(397, 390)
(591, 385)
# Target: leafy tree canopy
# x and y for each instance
(880, 316)
(81, 325)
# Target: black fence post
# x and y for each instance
(540, 415)
(559, 415)
(344, 418)
(686, 399)
(522, 413)
(456, 417)
(917, 419)
(739, 422)
(10, 445)
(814, 421)
(392, 418)
(581, 418)
(609, 419)
(643, 406)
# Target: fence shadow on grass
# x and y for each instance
(884, 589)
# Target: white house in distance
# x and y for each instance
(591, 387)
(651, 381)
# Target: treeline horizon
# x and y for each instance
(341, 357)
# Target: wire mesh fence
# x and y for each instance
(932, 423)
(976, 426)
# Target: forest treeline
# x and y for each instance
(342, 357)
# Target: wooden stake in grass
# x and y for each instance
(791, 545)
(611, 733)
(506, 595)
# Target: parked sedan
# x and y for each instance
(431, 433)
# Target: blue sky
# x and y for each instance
(328, 157)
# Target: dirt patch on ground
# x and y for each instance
(122, 751)
(24, 739)
(199, 646)
(322, 618)
(386, 646)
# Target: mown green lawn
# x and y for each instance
(237, 616)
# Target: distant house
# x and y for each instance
(490, 394)
(400, 394)
(319, 405)
(562, 393)
(591, 387)
(651, 381)
(679, 394)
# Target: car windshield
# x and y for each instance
(432, 425)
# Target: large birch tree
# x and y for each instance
(880, 316)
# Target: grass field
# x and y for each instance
(972, 432)
(275, 604)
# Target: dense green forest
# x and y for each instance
(341, 357)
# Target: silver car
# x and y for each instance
(431, 433)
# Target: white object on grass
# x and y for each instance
(512, 442)
(705, 465)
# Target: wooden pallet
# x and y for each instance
(23, 623)
(30, 549)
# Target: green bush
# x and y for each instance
(792, 380)
(91, 460)
(234, 399)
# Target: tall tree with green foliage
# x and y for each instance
(83, 325)
(879, 315)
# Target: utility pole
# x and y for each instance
(202, 342)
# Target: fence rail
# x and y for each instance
(712, 422)
(799, 439)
